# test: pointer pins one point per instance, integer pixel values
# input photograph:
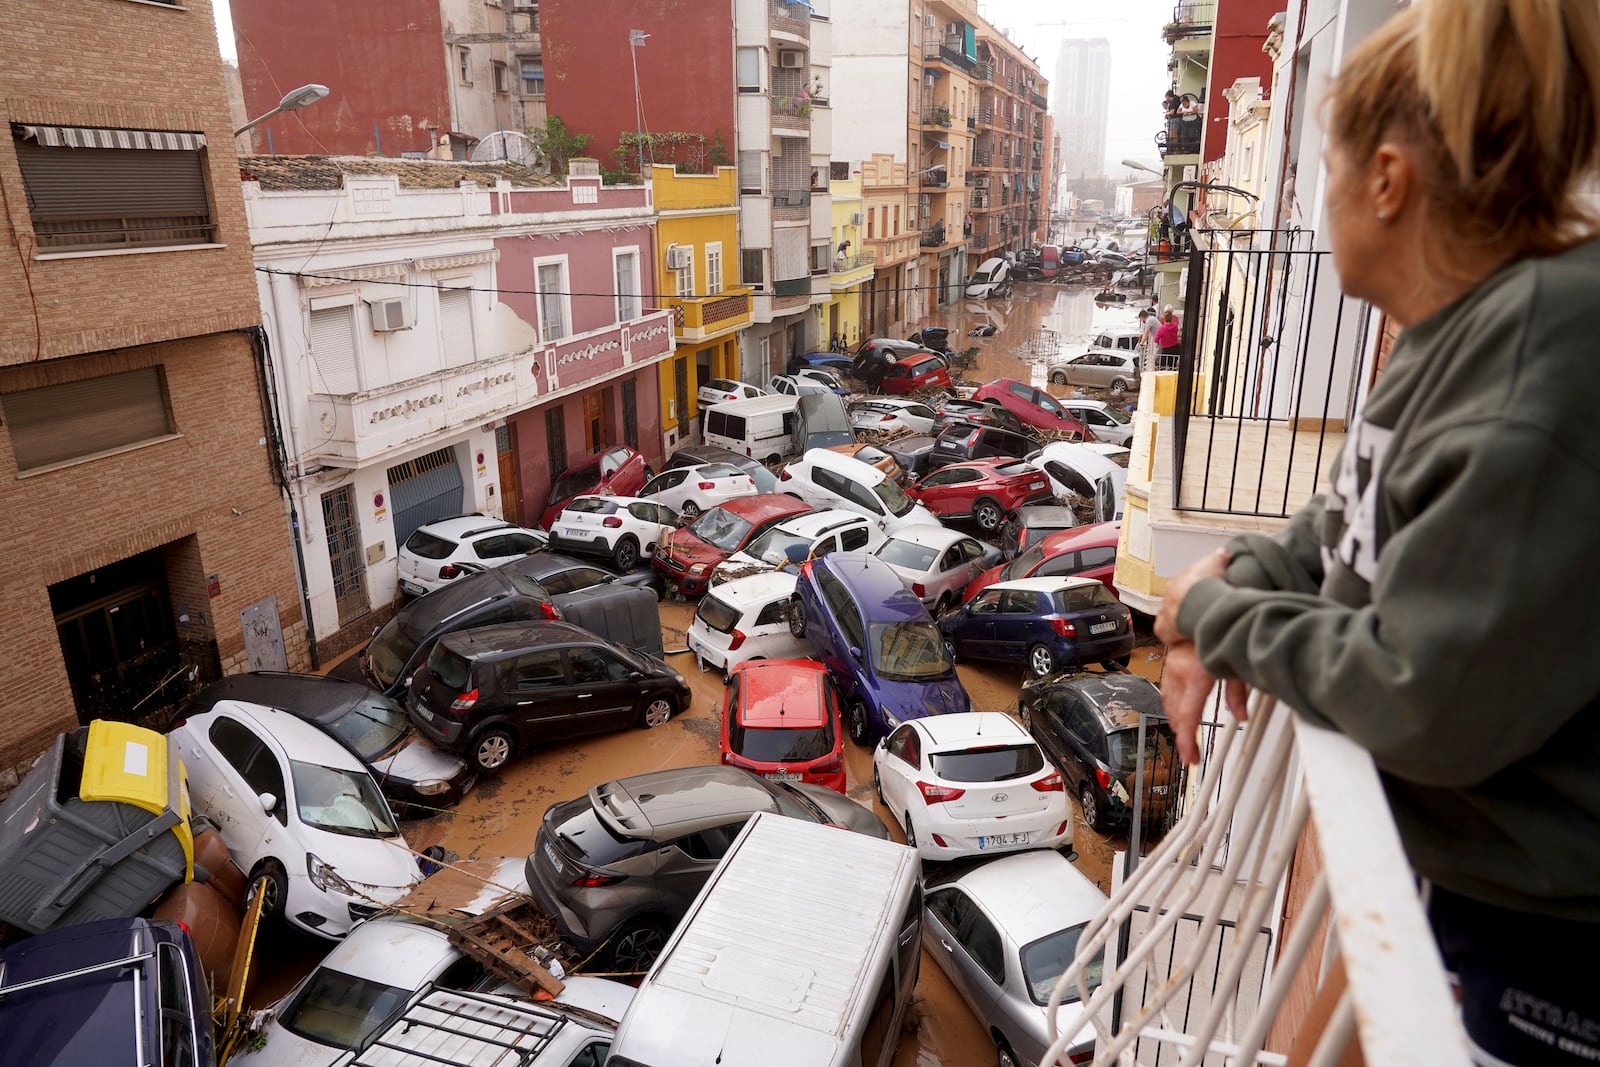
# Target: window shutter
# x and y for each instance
(333, 349)
(455, 319)
(56, 423)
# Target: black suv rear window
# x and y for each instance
(429, 546)
(997, 764)
(451, 670)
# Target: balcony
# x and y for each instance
(846, 271)
(1039, 101)
(1181, 137)
(935, 236)
(936, 178)
(983, 71)
(792, 19)
(791, 205)
(699, 317)
(949, 52)
(1193, 18)
(938, 115)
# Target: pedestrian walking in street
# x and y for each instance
(1396, 607)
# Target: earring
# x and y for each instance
(1383, 216)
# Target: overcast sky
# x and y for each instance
(1138, 57)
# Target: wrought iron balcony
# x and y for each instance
(790, 18)
(1181, 137)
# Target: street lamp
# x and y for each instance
(1140, 166)
(293, 100)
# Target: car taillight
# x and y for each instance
(449, 570)
(887, 418)
(1102, 777)
(941, 842)
(832, 765)
(465, 701)
(708, 485)
(738, 639)
(1051, 783)
(784, 476)
(1063, 627)
(613, 522)
(588, 879)
(730, 396)
(1076, 1058)
(550, 610)
(918, 589)
(1061, 829)
(939, 794)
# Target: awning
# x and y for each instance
(90, 137)
(942, 144)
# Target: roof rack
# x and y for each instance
(457, 1028)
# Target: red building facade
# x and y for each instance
(1240, 31)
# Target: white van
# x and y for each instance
(761, 427)
(802, 949)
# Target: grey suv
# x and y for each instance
(619, 867)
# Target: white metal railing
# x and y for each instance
(1173, 975)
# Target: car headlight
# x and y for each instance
(324, 877)
(432, 787)
(699, 568)
(890, 719)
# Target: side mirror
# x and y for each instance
(855, 653)
(408, 681)
(634, 676)
(268, 802)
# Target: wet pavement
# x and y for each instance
(501, 815)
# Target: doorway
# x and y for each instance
(594, 420)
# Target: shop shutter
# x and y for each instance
(424, 490)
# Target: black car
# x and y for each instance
(1089, 727)
(1029, 525)
(980, 412)
(494, 691)
(965, 441)
(696, 455)
(877, 354)
(372, 726)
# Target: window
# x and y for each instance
(626, 265)
(464, 65)
(839, 170)
(177, 1024)
(455, 322)
(502, 77)
(555, 438)
(630, 413)
(713, 268)
(76, 420)
(686, 276)
(539, 670)
(532, 71)
(343, 531)
(820, 259)
(333, 348)
(101, 189)
(591, 666)
(752, 268)
(552, 285)
(747, 67)
(750, 172)
(982, 942)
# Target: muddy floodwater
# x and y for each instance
(502, 814)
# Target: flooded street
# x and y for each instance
(501, 815)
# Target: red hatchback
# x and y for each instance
(911, 373)
(688, 556)
(1034, 407)
(985, 489)
(1087, 551)
(618, 471)
(780, 720)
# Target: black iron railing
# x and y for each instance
(1181, 137)
(1272, 358)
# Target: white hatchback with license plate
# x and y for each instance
(745, 619)
(971, 784)
(624, 529)
(692, 490)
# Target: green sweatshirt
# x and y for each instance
(1440, 603)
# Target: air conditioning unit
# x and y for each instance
(952, 29)
(855, 220)
(390, 315)
(928, 21)
(525, 5)
(679, 258)
(791, 60)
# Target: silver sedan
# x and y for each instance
(936, 562)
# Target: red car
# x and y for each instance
(915, 372)
(688, 556)
(618, 471)
(780, 720)
(1034, 407)
(987, 490)
(1089, 551)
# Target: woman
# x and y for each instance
(1168, 334)
(1437, 603)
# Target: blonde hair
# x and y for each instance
(1499, 99)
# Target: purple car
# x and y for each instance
(886, 656)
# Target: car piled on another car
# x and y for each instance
(686, 557)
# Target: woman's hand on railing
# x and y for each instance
(1185, 682)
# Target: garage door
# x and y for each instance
(424, 490)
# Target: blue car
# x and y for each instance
(839, 364)
(1047, 623)
(877, 640)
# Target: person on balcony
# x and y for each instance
(1168, 334)
(1435, 603)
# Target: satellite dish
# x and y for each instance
(508, 145)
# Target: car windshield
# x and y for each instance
(342, 1010)
(980, 277)
(998, 763)
(389, 651)
(372, 727)
(1044, 960)
(774, 546)
(1124, 745)
(717, 615)
(909, 651)
(574, 482)
(894, 498)
(722, 529)
(1024, 564)
(340, 801)
(907, 554)
(780, 744)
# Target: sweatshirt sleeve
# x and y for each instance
(1289, 560)
(1478, 641)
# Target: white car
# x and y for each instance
(797, 539)
(1022, 914)
(827, 479)
(692, 490)
(1107, 422)
(624, 528)
(744, 619)
(437, 553)
(358, 987)
(721, 390)
(892, 413)
(299, 808)
(936, 562)
(806, 381)
(974, 783)
(1076, 469)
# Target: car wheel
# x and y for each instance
(1116, 663)
(626, 554)
(856, 723)
(950, 648)
(772, 460)
(1003, 1056)
(911, 834)
(656, 713)
(877, 786)
(273, 883)
(1041, 661)
(649, 472)
(988, 515)
(1119, 387)
(492, 749)
(797, 617)
(690, 510)
(1092, 815)
(945, 602)
(636, 947)
(1058, 377)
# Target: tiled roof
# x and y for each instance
(281, 173)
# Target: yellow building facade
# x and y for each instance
(697, 275)
(850, 267)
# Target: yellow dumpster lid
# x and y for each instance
(129, 764)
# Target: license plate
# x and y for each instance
(427, 716)
(1159, 790)
(1035, 485)
(1002, 840)
(550, 854)
(570, 532)
(412, 587)
(781, 776)
(1102, 627)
